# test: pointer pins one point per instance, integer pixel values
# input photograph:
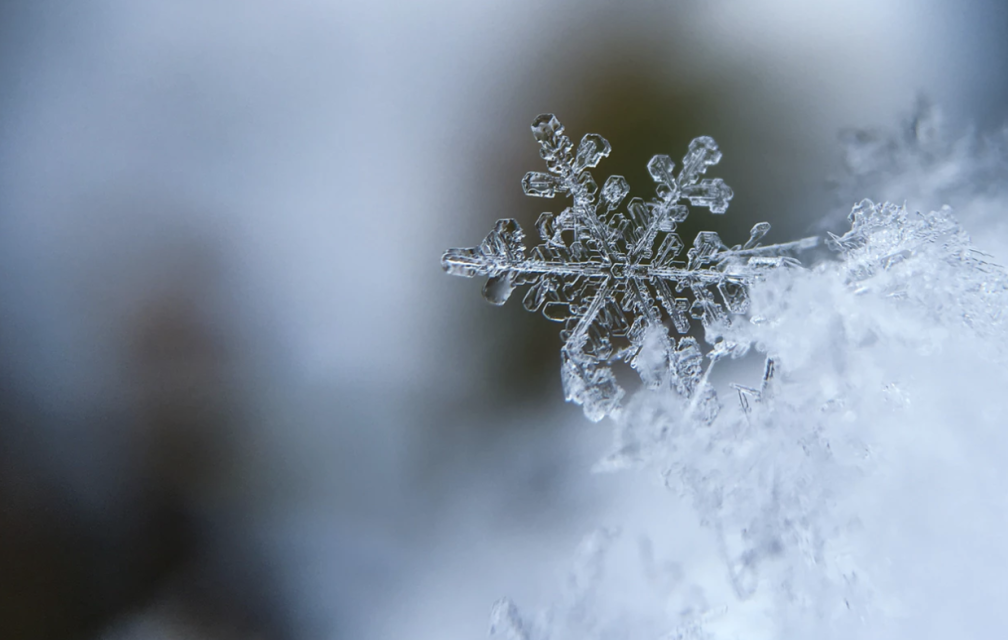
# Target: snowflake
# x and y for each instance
(611, 273)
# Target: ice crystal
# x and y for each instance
(927, 260)
(613, 270)
(885, 366)
(861, 350)
(929, 163)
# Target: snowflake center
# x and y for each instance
(620, 269)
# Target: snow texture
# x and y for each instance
(856, 487)
(928, 163)
(613, 274)
(799, 484)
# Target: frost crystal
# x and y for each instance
(926, 260)
(927, 162)
(884, 373)
(613, 271)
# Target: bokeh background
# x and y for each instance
(238, 396)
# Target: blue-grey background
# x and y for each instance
(239, 397)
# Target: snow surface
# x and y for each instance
(856, 489)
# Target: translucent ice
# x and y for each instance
(612, 277)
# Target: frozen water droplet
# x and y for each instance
(546, 128)
(537, 293)
(713, 194)
(557, 311)
(590, 152)
(735, 295)
(541, 185)
(640, 215)
(538, 184)
(662, 169)
(675, 213)
(614, 190)
(759, 230)
(688, 365)
(463, 262)
(707, 244)
(697, 310)
(654, 359)
(669, 249)
(577, 250)
(588, 185)
(703, 152)
(498, 288)
(589, 383)
(504, 242)
(545, 226)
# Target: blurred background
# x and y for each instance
(238, 396)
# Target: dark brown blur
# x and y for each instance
(70, 573)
